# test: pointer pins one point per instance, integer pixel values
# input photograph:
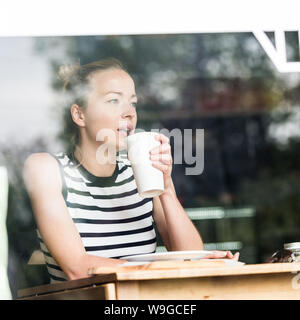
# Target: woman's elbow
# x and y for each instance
(77, 274)
(78, 270)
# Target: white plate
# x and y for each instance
(171, 255)
(228, 262)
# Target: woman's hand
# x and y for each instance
(162, 159)
(216, 254)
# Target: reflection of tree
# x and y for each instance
(206, 96)
(163, 64)
(230, 72)
(186, 80)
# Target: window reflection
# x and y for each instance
(222, 83)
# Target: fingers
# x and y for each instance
(163, 148)
(236, 256)
(229, 255)
(233, 256)
(162, 157)
(216, 254)
(162, 167)
(162, 138)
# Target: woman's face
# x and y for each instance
(111, 107)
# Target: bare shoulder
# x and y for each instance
(41, 168)
(38, 163)
(40, 159)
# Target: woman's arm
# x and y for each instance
(43, 182)
(174, 225)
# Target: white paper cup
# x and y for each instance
(149, 180)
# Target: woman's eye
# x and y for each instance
(114, 101)
(134, 104)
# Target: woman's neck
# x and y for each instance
(98, 163)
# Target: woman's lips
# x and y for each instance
(125, 132)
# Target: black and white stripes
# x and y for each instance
(110, 216)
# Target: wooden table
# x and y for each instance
(257, 281)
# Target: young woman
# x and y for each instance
(88, 211)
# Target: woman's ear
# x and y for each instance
(77, 115)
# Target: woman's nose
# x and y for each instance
(129, 111)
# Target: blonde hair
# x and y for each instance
(75, 78)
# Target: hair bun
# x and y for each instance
(66, 72)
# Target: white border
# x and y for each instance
(98, 17)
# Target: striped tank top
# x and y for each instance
(112, 219)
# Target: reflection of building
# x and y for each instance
(234, 115)
(223, 95)
(232, 147)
